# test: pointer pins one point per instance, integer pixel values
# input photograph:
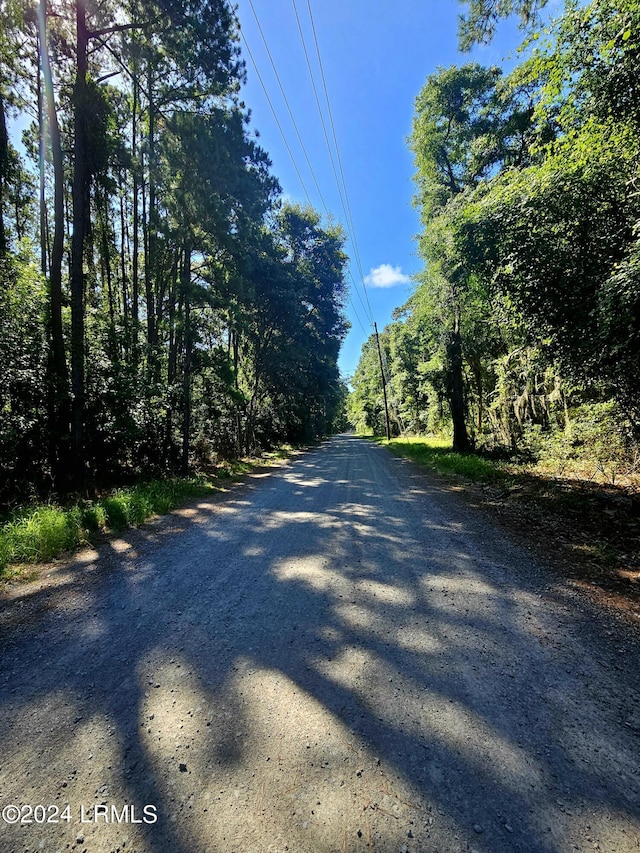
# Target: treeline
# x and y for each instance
(525, 323)
(159, 305)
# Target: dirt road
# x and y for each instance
(336, 656)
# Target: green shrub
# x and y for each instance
(116, 511)
(435, 452)
(38, 535)
(93, 517)
(41, 533)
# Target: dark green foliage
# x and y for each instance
(571, 275)
(23, 360)
(528, 193)
(478, 26)
(559, 237)
(468, 125)
(182, 315)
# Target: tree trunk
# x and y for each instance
(152, 239)
(188, 346)
(41, 158)
(79, 193)
(172, 363)
(124, 257)
(174, 343)
(106, 260)
(135, 283)
(58, 378)
(456, 401)
(4, 166)
(476, 367)
(236, 384)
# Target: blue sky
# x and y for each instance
(376, 56)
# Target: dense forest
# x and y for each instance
(160, 306)
(523, 332)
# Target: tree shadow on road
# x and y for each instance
(329, 661)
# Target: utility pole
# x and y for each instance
(384, 385)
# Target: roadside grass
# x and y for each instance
(37, 534)
(40, 533)
(435, 452)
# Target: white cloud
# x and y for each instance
(386, 276)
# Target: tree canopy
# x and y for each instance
(479, 24)
(529, 305)
(161, 306)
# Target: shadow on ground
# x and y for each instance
(591, 530)
(329, 660)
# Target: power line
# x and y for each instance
(315, 92)
(343, 197)
(275, 71)
(356, 313)
(351, 301)
(349, 220)
(335, 141)
(364, 307)
(284, 138)
(367, 310)
(287, 145)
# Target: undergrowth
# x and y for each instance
(39, 533)
(435, 452)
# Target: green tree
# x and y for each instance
(294, 328)
(198, 315)
(478, 26)
(467, 125)
(23, 355)
(559, 237)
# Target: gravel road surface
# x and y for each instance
(337, 655)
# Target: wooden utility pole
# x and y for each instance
(384, 386)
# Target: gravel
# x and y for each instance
(339, 655)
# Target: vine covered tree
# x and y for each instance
(526, 318)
